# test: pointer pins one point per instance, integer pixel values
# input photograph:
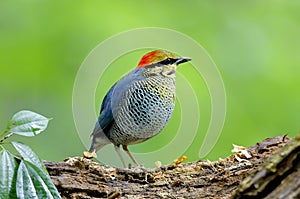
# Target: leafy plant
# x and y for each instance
(23, 175)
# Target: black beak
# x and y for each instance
(182, 60)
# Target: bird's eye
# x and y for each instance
(167, 61)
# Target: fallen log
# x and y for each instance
(78, 177)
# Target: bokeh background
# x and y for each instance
(255, 45)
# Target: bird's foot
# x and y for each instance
(140, 168)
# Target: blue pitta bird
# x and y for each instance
(139, 105)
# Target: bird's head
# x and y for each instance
(159, 62)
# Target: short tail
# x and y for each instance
(99, 139)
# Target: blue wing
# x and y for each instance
(110, 103)
(106, 115)
(103, 124)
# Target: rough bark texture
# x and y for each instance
(278, 176)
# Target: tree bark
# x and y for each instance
(270, 169)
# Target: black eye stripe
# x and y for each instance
(168, 61)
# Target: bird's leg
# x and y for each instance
(120, 155)
(129, 154)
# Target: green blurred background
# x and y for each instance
(255, 45)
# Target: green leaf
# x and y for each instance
(25, 187)
(28, 155)
(32, 182)
(27, 123)
(8, 170)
